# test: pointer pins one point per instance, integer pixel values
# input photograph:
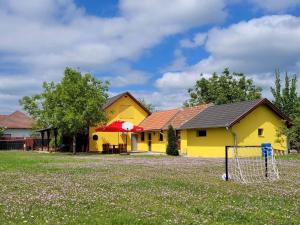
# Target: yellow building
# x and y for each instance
(249, 123)
(154, 137)
(202, 131)
(121, 107)
(206, 130)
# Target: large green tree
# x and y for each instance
(222, 89)
(72, 105)
(287, 100)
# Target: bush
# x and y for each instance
(172, 146)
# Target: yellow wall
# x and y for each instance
(156, 144)
(262, 117)
(183, 142)
(125, 109)
(247, 134)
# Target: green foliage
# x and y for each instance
(2, 131)
(222, 89)
(293, 134)
(148, 106)
(172, 146)
(286, 98)
(72, 105)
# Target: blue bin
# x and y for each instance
(266, 150)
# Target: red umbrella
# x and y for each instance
(120, 126)
(115, 126)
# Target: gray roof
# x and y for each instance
(226, 115)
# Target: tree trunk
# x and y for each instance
(74, 144)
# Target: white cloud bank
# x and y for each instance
(256, 47)
(41, 37)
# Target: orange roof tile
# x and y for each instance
(157, 120)
(184, 115)
(16, 120)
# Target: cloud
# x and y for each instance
(163, 99)
(179, 62)
(276, 5)
(256, 47)
(43, 36)
(197, 41)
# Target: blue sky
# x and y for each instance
(155, 49)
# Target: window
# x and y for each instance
(143, 136)
(95, 137)
(178, 134)
(201, 133)
(161, 136)
(260, 132)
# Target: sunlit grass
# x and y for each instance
(100, 189)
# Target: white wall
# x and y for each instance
(18, 132)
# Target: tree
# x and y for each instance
(72, 106)
(286, 99)
(2, 129)
(148, 106)
(222, 89)
(172, 147)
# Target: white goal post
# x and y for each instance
(250, 164)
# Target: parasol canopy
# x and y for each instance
(120, 126)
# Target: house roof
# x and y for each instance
(228, 114)
(113, 99)
(16, 120)
(184, 115)
(158, 120)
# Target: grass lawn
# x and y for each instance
(37, 188)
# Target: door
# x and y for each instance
(149, 142)
(133, 142)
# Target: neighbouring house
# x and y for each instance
(121, 107)
(202, 131)
(17, 124)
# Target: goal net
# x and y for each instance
(251, 164)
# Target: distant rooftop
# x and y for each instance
(16, 120)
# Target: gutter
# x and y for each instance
(234, 135)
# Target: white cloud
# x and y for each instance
(256, 47)
(163, 99)
(44, 36)
(197, 41)
(179, 62)
(276, 5)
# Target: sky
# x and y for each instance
(156, 49)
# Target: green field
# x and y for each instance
(39, 188)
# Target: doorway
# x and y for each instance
(133, 142)
(149, 142)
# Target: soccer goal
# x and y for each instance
(250, 164)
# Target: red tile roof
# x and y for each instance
(175, 117)
(157, 120)
(184, 115)
(16, 120)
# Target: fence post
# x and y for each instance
(226, 163)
